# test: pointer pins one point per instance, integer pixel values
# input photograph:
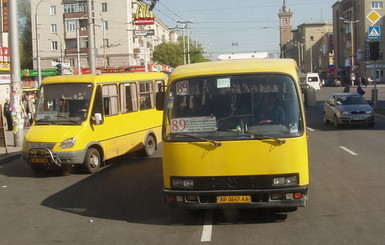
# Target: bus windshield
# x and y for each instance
(63, 104)
(236, 107)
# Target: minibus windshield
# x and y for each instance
(63, 104)
(236, 107)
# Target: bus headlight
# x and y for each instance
(68, 143)
(285, 180)
(186, 183)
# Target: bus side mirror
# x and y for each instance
(159, 97)
(98, 119)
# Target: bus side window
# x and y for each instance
(110, 99)
(98, 102)
(128, 97)
(146, 95)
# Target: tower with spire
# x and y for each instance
(285, 28)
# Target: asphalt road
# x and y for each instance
(124, 204)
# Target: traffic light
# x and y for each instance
(375, 50)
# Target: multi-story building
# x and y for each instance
(352, 20)
(312, 49)
(309, 44)
(60, 33)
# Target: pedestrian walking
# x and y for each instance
(8, 114)
(364, 81)
(360, 90)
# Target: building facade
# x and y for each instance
(60, 33)
(352, 19)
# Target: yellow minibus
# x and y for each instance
(87, 119)
(234, 135)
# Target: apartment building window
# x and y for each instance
(52, 10)
(71, 25)
(54, 45)
(104, 7)
(105, 24)
(75, 7)
(53, 28)
(377, 5)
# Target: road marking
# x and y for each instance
(349, 151)
(207, 227)
(310, 129)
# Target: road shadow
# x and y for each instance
(132, 191)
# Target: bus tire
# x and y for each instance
(92, 161)
(149, 146)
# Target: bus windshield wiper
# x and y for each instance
(265, 137)
(216, 143)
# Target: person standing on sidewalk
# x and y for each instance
(8, 115)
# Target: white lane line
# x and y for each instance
(349, 151)
(207, 227)
(310, 129)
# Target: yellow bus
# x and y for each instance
(87, 119)
(223, 146)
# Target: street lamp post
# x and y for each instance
(352, 64)
(38, 64)
(61, 53)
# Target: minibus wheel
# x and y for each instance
(92, 161)
(149, 145)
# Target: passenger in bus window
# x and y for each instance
(269, 111)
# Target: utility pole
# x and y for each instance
(351, 22)
(38, 62)
(16, 88)
(185, 26)
(91, 44)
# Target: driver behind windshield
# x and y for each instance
(269, 110)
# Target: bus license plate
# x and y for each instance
(233, 199)
(39, 160)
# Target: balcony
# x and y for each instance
(74, 51)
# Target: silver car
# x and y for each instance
(348, 108)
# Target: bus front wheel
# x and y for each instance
(149, 146)
(92, 161)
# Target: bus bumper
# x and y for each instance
(271, 198)
(46, 157)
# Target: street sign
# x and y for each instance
(150, 32)
(374, 31)
(373, 16)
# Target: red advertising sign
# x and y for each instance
(5, 16)
(144, 15)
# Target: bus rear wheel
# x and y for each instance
(92, 161)
(149, 146)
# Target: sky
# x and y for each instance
(229, 26)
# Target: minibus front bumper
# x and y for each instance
(267, 198)
(46, 157)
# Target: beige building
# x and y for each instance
(352, 19)
(311, 47)
(60, 33)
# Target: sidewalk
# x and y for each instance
(12, 152)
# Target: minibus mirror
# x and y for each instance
(159, 100)
(98, 119)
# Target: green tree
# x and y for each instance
(168, 54)
(172, 54)
(25, 34)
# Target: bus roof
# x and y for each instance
(105, 77)
(287, 66)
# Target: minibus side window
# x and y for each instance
(146, 95)
(128, 97)
(110, 99)
(98, 102)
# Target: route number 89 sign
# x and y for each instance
(193, 124)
